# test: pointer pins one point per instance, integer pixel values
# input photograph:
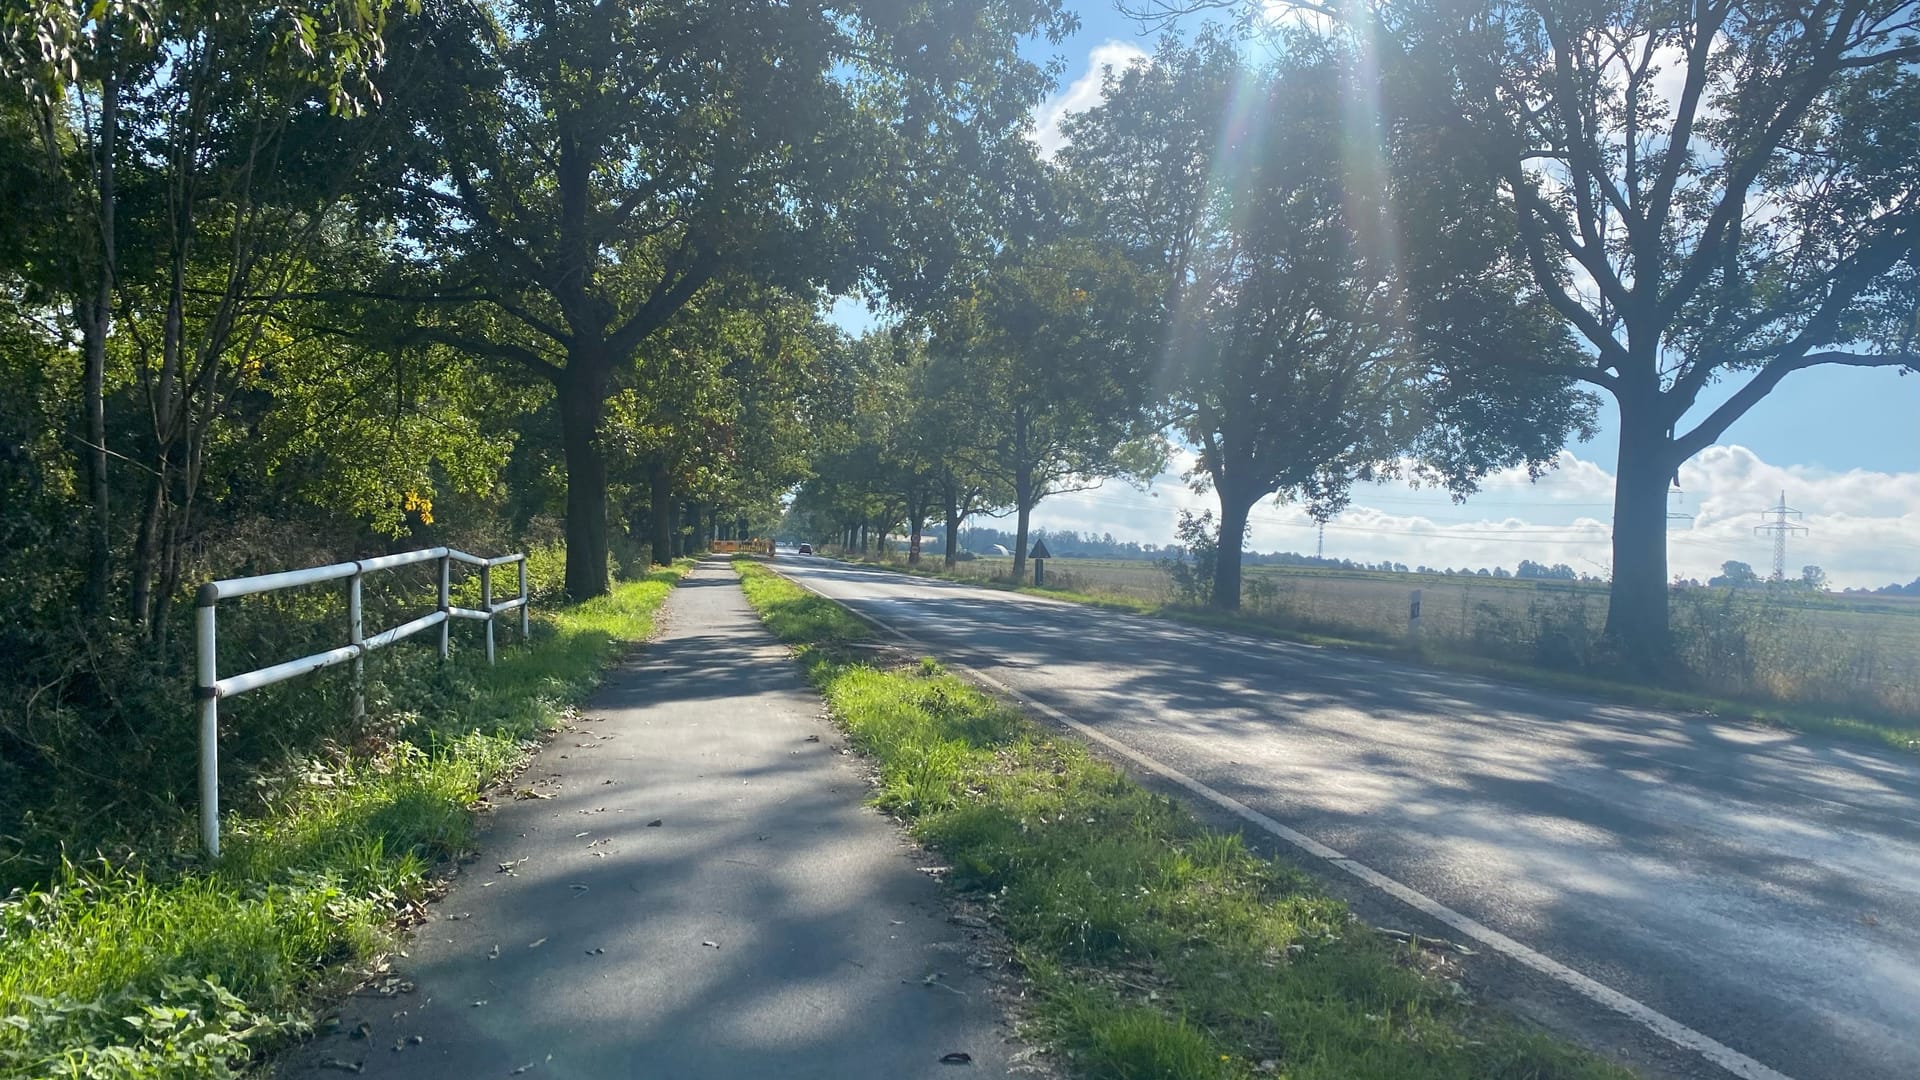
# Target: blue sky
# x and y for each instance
(1843, 443)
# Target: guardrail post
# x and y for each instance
(356, 635)
(206, 674)
(486, 605)
(525, 636)
(446, 602)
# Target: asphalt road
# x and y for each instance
(1759, 888)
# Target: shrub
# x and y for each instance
(1192, 581)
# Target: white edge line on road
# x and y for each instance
(1726, 1057)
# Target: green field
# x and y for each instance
(1818, 650)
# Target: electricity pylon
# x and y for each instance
(1781, 526)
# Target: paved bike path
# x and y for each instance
(699, 893)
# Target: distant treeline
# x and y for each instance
(1069, 544)
(1911, 588)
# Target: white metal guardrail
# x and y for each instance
(210, 688)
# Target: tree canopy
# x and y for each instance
(1309, 339)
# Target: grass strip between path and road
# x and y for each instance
(179, 970)
(1784, 716)
(1157, 947)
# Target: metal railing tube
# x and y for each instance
(405, 630)
(404, 558)
(357, 636)
(486, 604)
(286, 579)
(205, 675)
(235, 685)
(446, 600)
(209, 687)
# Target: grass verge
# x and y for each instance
(1157, 947)
(1782, 716)
(177, 970)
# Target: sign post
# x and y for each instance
(1413, 618)
(1040, 555)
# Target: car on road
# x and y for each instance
(806, 549)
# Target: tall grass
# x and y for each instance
(1157, 948)
(157, 966)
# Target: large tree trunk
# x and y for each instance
(916, 524)
(582, 403)
(1024, 499)
(660, 510)
(1637, 602)
(1226, 558)
(1020, 543)
(1022, 491)
(953, 530)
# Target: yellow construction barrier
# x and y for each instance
(736, 547)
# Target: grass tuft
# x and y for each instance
(1157, 947)
(173, 969)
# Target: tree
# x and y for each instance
(1311, 343)
(1710, 192)
(1049, 345)
(111, 84)
(585, 169)
(1540, 572)
(958, 446)
(718, 424)
(1735, 574)
(1814, 578)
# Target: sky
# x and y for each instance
(1842, 443)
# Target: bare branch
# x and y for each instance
(1763, 382)
(684, 274)
(497, 350)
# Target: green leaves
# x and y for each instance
(188, 1028)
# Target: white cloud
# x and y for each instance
(1863, 526)
(1081, 94)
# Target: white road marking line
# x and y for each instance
(1733, 1061)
